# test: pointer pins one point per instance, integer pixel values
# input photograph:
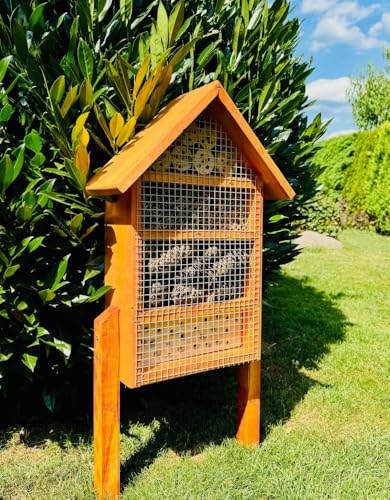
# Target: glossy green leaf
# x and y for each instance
(163, 25)
(175, 22)
(86, 94)
(6, 173)
(38, 160)
(33, 141)
(10, 271)
(63, 347)
(29, 360)
(104, 10)
(37, 18)
(57, 89)
(76, 222)
(4, 63)
(6, 113)
(180, 54)
(85, 59)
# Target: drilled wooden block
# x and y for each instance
(164, 341)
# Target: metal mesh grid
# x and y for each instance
(198, 217)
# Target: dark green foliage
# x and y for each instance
(332, 162)
(367, 190)
(322, 214)
(65, 74)
(67, 102)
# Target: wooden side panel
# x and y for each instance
(106, 412)
(121, 275)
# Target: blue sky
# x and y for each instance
(341, 37)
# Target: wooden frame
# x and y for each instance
(115, 340)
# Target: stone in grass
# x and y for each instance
(311, 239)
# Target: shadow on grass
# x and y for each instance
(300, 324)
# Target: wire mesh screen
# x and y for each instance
(198, 258)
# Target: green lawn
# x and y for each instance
(325, 404)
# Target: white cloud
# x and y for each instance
(352, 11)
(381, 26)
(330, 90)
(316, 6)
(339, 24)
(331, 30)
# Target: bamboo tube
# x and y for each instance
(163, 163)
(181, 158)
(223, 163)
(204, 161)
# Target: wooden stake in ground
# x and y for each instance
(248, 432)
(106, 415)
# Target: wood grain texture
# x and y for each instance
(198, 363)
(142, 151)
(191, 234)
(120, 265)
(193, 180)
(248, 400)
(248, 432)
(106, 414)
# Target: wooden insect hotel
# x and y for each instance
(184, 216)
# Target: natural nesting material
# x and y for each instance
(223, 163)
(224, 293)
(207, 137)
(183, 294)
(181, 158)
(158, 294)
(204, 161)
(189, 136)
(171, 258)
(163, 163)
(231, 262)
(212, 252)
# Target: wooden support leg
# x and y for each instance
(106, 416)
(248, 432)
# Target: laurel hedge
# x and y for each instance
(367, 186)
(77, 80)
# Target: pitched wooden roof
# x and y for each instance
(144, 148)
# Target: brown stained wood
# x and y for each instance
(248, 432)
(121, 274)
(214, 181)
(198, 363)
(189, 338)
(177, 312)
(190, 234)
(122, 171)
(106, 414)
